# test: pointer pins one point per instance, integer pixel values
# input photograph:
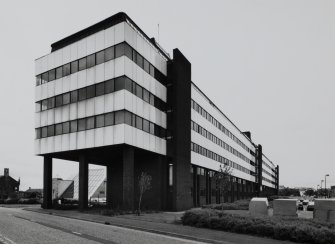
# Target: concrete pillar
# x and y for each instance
(47, 183)
(83, 183)
(120, 181)
(128, 178)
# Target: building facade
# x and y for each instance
(9, 187)
(110, 95)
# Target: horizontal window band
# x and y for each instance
(101, 120)
(99, 89)
(216, 157)
(221, 127)
(105, 55)
(205, 133)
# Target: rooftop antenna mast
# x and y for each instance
(158, 32)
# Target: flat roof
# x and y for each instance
(102, 25)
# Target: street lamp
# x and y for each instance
(326, 185)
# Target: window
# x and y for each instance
(128, 84)
(152, 70)
(139, 123)
(139, 60)
(74, 66)
(139, 91)
(127, 118)
(119, 50)
(81, 124)
(119, 117)
(109, 119)
(100, 89)
(146, 95)
(90, 123)
(152, 128)
(109, 86)
(82, 64)
(90, 92)
(152, 99)
(38, 133)
(90, 61)
(44, 104)
(38, 107)
(45, 77)
(128, 51)
(119, 83)
(82, 94)
(66, 127)
(59, 100)
(74, 96)
(66, 98)
(58, 129)
(59, 72)
(51, 130)
(100, 57)
(44, 132)
(134, 56)
(109, 54)
(146, 125)
(52, 75)
(146, 66)
(51, 102)
(100, 121)
(73, 126)
(38, 80)
(66, 69)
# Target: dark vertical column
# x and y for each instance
(259, 163)
(83, 183)
(128, 178)
(47, 182)
(195, 186)
(277, 179)
(207, 186)
(179, 127)
(109, 193)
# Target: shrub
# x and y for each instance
(28, 201)
(11, 201)
(281, 228)
(237, 205)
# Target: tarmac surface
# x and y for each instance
(36, 225)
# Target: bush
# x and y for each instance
(11, 201)
(237, 205)
(281, 228)
(28, 201)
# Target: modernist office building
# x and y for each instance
(110, 95)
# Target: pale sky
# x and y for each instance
(269, 66)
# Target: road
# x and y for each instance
(19, 226)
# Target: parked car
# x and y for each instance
(310, 206)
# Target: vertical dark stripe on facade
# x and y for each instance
(259, 165)
(179, 127)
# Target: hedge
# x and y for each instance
(281, 228)
(237, 205)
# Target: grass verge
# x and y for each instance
(280, 228)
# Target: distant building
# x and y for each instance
(69, 188)
(8, 185)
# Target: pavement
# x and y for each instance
(147, 228)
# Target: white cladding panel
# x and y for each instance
(111, 135)
(204, 103)
(111, 69)
(135, 39)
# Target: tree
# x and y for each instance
(144, 183)
(222, 179)
(289, 192)
(310, 192)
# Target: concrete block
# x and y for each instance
(324, 210)
(258, 206)
(285, 207)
